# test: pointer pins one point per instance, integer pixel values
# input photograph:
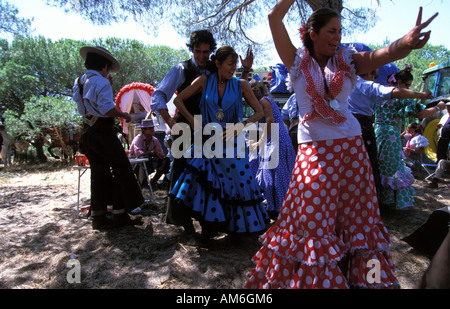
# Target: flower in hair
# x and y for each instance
(392, 79)
(303, 31)
(408, 67)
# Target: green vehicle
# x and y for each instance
(437, 80)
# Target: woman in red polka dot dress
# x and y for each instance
(329, 233)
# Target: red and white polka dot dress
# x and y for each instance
(329, 233)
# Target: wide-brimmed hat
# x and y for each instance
(146, 123)
(115, 67)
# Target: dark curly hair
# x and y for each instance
(202, 36)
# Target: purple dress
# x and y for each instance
(274, 178)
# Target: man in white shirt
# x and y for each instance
(112, 178)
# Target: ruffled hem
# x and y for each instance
(230, 219)
(285, 274)
(203, 172)
(401, 179)
(401, 198)
(290, 261)
(326, 249)
(235, 210)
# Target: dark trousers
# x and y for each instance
(177, 214)
(368, 135)
(112, 178)
(442, 149)
(293, 133)
(161, 166)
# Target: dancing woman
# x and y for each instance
(221, 190)
(329, 233)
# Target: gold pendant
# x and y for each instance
(219, 114)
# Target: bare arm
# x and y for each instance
(115, 113)
(166, 117)
(283, 44)
(430, 111)
(415, 39)
(402, 93)
(268, 114)
(249, 96)
(196, 87)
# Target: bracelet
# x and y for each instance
(245, 70)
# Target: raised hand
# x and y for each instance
(416, 39)
(247, 63)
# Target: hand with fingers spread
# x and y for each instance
(417, 39)
(247, 63)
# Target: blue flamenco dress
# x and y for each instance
(221, 189)
(274, 163)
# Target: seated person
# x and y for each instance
(443, 165)
(416, 142)
(145, 145)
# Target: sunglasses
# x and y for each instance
(407, 84)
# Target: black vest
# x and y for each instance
(191, 72)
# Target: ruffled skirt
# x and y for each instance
(223, 191)
(329, 233)
(396, 178)
(272, 169)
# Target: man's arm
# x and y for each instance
(173, 80)
(115, 113)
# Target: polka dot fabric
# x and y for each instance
(329, 227)
(222, 191)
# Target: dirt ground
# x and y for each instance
(40, 237)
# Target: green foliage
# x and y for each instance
(420, 59)
(39, 67)
(140, 63)
(42, 113)
(37, 76)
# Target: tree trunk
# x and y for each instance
(39, 145)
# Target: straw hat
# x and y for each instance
(146, 123)
(115, 67)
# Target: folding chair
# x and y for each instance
(141, 162)
(429, 168)
(416, 160)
